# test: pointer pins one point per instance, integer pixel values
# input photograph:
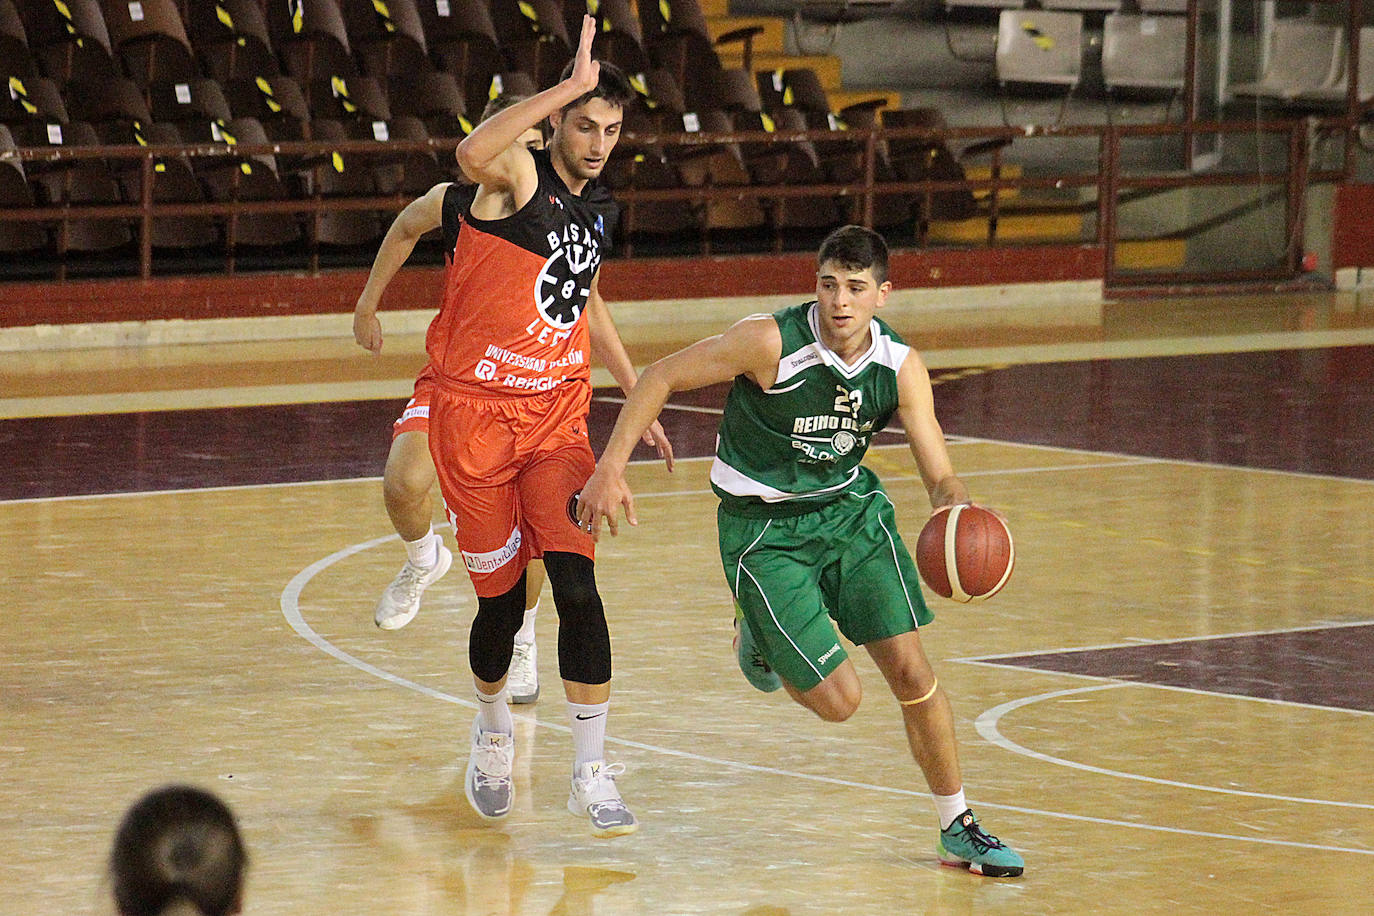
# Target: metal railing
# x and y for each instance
(1109, 180)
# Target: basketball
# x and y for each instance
(965, 553)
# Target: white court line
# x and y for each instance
(290, 608)
(987, 727)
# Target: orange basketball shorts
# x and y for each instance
(508, 469)
(415, 417)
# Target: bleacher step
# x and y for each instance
(1011, 227)
(1151, 254)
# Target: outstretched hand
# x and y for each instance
(601, 498)
(586, 72)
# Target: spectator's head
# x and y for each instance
(586, 129)
(178, 849)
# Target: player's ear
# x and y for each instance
(883, 289)
(555, 119)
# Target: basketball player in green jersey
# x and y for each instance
(806, 532)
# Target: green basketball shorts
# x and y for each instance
(843, 561)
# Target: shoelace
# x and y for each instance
(493, 765)
(983, 841)
(596, 788)
(408, 582)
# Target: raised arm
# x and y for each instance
(916, 407)
(419, 216)
(751, 347)
(487, 156)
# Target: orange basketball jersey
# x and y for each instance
(510, 323)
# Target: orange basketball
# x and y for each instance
(965, 553)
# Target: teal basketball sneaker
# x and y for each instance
(756, 670)
(964, 845)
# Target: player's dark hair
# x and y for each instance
(501, 103)
(506, 100)
(612, 85)
(856, 248)
(178, 843)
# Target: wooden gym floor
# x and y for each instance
(1167, 710)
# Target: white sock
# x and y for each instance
(493, 715)
(948, 807)
(424, 551)
(525, 635)
(588, 732)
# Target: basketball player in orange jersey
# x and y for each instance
(508, 421)
(409, 474)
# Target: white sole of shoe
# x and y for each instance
(604, 833)
(522, 699)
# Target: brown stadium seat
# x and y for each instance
(150, 40)
(231, 39)
(174, 181)
(80, 182)
(533, 37)
(311, 39)
(462, 41)
(70, 39)
(250, 178)
(15, 57)
(15, 193)
(387, 36)
(435, 98)
(619, 37)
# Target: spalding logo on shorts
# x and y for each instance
(572, 509)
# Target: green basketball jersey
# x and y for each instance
(798, 444)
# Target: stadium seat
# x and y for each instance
(150, 40)
(174, 182)
(16, 237)
(35, 98)
(249, 178)
(15, 57)
(1303, 57)
(387, 36)
(80, 182)
(533, 37)
(1144, 52)
(462, 41)
(311, 39)
(232, 40)
(69, 39)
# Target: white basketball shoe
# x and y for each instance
(401, 601)
(522, 681)
(595, 796)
